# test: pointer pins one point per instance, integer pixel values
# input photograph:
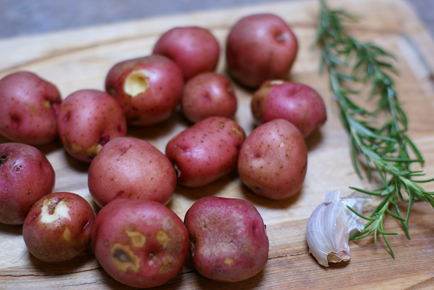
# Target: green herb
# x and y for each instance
(383, 143)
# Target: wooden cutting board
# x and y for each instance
(80, 59)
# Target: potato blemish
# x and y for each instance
(137, 238)
(229, 262)
(162, 237)
(165, 268)
(54, 209)
(93, 150)
(75, 148)
(236, 130)
(47, 104)
(67, 234)
(124, 258)
(136, 83)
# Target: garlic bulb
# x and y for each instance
(329, 227)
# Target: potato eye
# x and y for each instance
(280, 37)
(67, 116)
(15, 122)
(3, 159)
(104, 139)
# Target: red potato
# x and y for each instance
(58, 227)
(206, 95)
(228, 238)
(88, 119)
(260, 47)
(140, 243)
(273, 160)
(29, 108)
(194, 49)
(297, 103)
(148, 89)
(131, 168)
(206, 151)
(26, 176)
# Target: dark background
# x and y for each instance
(27, 17)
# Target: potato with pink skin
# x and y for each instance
(29, 108)
(194, 49)
(88, 119)
(260, 47)
(58, 227)
(227, 237)
(148, 88)
(273, 160)
(205, 151)
(297, 103)
(26, 175)
(140, 243)
(131, 168)
(206, 95)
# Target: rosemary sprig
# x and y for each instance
(384, 144)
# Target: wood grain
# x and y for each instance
(80, 59)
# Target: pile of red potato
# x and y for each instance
(135, 237)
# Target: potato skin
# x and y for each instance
(205, 151)
(58, 227)
(29, 108)
(228, 238)
(194, 49)
(140, 243)
(88, 119)
(25, 176)
(131, 168)
(273, 160)
(206, 95)
(297, 103)
(260, 47)
(160, 99)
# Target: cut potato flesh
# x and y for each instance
(136, 83)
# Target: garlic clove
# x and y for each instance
(330, 225)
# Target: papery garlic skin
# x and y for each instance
(329, 227)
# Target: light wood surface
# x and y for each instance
(80, 59)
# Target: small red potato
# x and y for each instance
(206, 95)
(58, 227)
(25, 176)
(88, 119)
(206, 151)
(148, 88)
(273, 160)
(260, 47)
(228, 238)
(140, 243)
(131, 168)
(29, 107)
(194, 49)
(297, 103)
